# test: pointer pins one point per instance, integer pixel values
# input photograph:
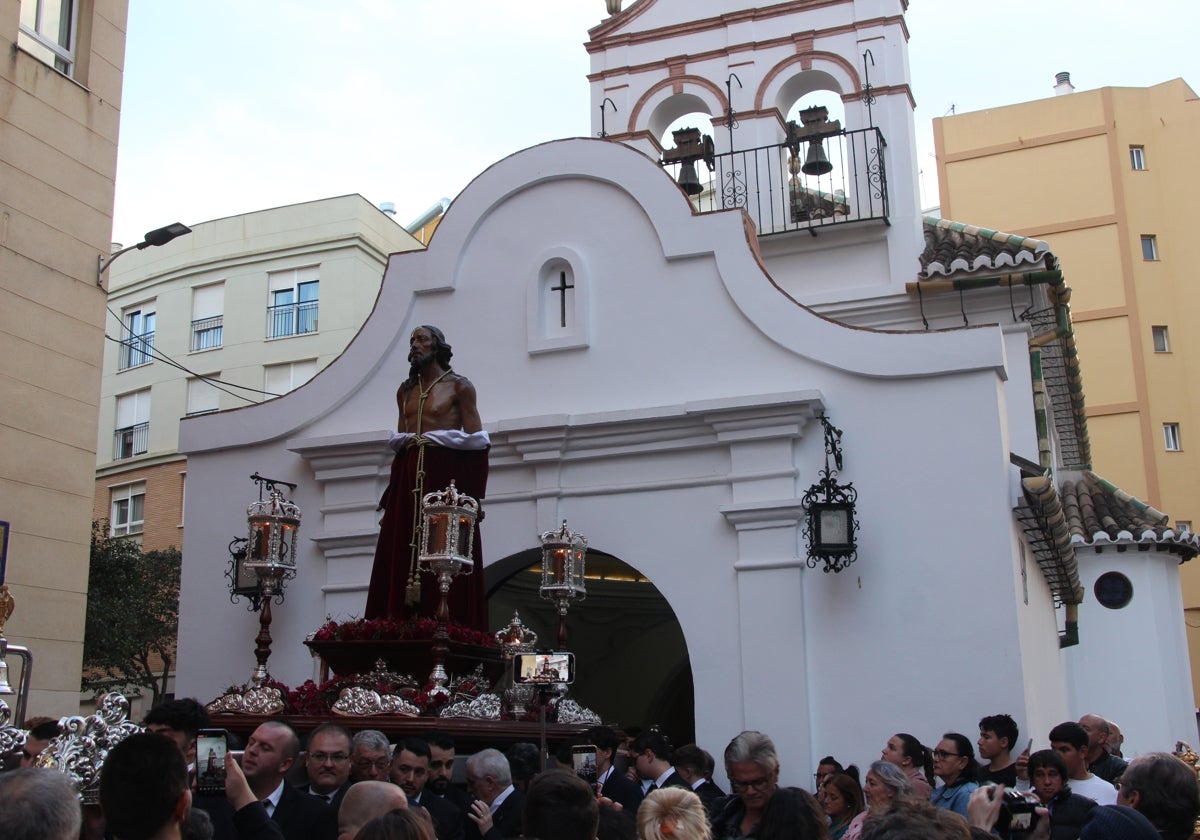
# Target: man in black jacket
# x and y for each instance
(1164, 790)
(651, 752)
(270, 752)
(496, 812)
(410, 770)
(1068, 811)
(612, 783)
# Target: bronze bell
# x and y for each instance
(689, 180)
(816, 163)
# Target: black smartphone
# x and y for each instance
(544, 667)
(583, 759)
(212, 747)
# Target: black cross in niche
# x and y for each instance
(562, 286)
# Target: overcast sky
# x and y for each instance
(231, 106)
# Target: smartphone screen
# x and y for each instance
(583, 759)
(211, 749)
(544, 667)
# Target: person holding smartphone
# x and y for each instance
(609, 783)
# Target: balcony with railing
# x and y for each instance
(130, 441)
(136, 350)
(291, 319)
(207, 333)
(794, 186)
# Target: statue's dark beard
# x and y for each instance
(415, 365)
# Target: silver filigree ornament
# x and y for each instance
(83, 746)
(483, 707)
(11, 738)
(254, 701)
(363, 701)
(571, 712)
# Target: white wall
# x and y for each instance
(688, 414)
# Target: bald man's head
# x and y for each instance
(365, 801)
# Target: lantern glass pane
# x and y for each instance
(435, 533)
(834, 526)
(260, 540)
(463, 545)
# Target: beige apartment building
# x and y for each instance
(1109, 177)
(60, 85)
(242, 309)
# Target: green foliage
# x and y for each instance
(132, 615)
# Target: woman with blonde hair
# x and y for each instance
(672, 813)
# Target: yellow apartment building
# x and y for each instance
(1109, 177)
(60, 99)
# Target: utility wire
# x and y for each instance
(155, 354)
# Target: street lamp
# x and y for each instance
(156, 237)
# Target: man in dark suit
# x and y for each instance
(651, 753)
(496, 812)
(327, 763)
(270, 752)
(441, 772)
(410, 770)
(694, 765)
(612, 783)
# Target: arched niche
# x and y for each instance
(671, 99)
(632, 664)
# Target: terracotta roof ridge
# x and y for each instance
(952, 247)
(1014, 239)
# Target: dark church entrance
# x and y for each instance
(632, 665)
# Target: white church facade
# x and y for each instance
(654, 375)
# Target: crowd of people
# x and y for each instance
(360, 786)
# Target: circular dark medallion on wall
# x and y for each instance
(1113, 590)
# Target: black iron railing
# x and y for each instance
(207, 333)
(768, 182)
(136, 350)
(130, 441)
(291, 319)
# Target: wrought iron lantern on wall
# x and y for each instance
(830, 525)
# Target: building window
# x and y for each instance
(280, 379)
(208, 307)
(1113, 590)
(1183, 526)
(1150, 247)
(1137, 157)
(293, 302)
(202, 396)
(1162, 341)
(132, 436)
(137, 343)
(128, 509)
(47, 32)
(1171, 437)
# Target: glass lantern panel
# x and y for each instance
(260, 540)
(463, 545)
(835, 526)
(435, 533)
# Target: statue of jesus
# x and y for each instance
(440, 439)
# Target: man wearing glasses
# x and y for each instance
(752, 765)
(370, 756)
(328, 763)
